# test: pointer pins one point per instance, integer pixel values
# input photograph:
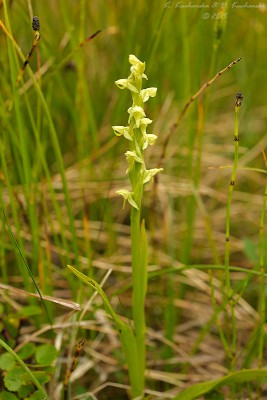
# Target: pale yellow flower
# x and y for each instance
(149, 92)
(150, 173)
(132, 157)
(122, 130)
(136, 113)
(127, 197)
(126, 84)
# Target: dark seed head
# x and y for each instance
(239, 98)
(35, 24)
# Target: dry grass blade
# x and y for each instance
(56, 300)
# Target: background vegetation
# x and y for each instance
(60, 165)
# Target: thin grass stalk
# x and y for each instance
(228, 206)
(229, 291)
(262, 296)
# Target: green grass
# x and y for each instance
(60, 167)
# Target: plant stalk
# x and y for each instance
(229, 291)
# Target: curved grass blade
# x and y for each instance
(243, 376)
(179, 269)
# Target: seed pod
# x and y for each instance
(239, 98)
(35, 24)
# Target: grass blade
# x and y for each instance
(200, 389)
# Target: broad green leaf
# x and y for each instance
(7, 361)
(42, 377)
(46, 354)
(13, 379)
(7, 396)
(25, 391)
(36, 396)
(27, 351)
(200, 389)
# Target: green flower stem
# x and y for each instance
(138, 298)
(229, 291)
(139, 271)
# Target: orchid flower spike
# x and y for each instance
(136, 132)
